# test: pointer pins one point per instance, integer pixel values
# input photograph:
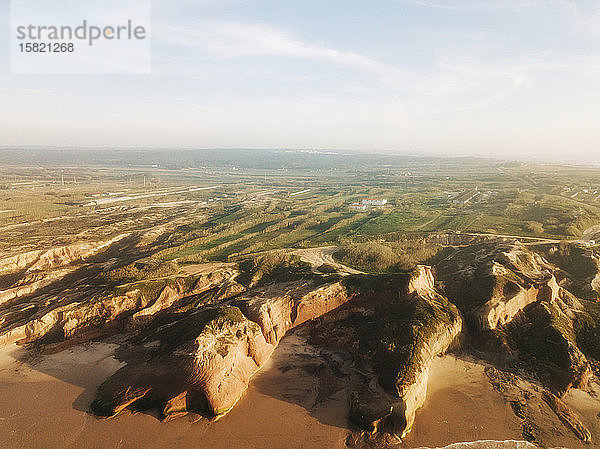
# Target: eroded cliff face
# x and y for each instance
(201, 363)
(421, 280)
(395, 329)
(132, 305)
(65, 321)
(41, 268)
(31, 284)
(228, 352)
(510, 293)
(546, 332)
(222, 278)
(279, 308)
(219, 347)
(504, 306)
(199, 335)
(413, 390)
(40, 260)
(492, 283)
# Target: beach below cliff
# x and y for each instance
(291, 403)
(45, 404)
(461, 406)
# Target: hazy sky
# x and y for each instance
(484, 77)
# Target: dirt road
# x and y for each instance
(324, 255)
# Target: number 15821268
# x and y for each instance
(45, 47)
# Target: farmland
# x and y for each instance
(222, 210)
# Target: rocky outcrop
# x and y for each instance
(319, 301)
(413, 397)
(35, 328)
(415, 394)
(514, 303)
(503, 307)
(279, 308)
(65, 321)
(410, 381)
(568, 417)
(176, 406)
(166, 299)
(221, 277)
(229, 350)
(221, 348)
(421, 280)
(210, 354)
(39, 260)
(25, 289)
(65, 255)
(396, 411)
(142, 386)
(394, 328)
(491, 283)
(19, 262)
(40, 269)
(370, 408)
(69, 319)
(545, 335)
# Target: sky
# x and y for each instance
(494, 78)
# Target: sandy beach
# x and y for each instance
(461, 406)
(45, 404)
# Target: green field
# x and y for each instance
(219, 212)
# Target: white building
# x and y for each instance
(374, 202)
(358, 206)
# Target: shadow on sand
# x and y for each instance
(298, 373)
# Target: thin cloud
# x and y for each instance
(518, 5)
(235, 40)
(459, 78)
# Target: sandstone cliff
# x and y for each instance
(219, 348)
(39, 260)
(394, 328)
(278, 308)
(515, 304)
(229, 350)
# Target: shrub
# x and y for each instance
(369, 256)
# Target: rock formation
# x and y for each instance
(510, 293)
(280, 308)
(196, 336)
(394, 329)
(228, 351)
(218, 347)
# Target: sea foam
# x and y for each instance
(488, 444)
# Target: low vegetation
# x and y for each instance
(393, 256)
(141, 270)
(270, 267)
